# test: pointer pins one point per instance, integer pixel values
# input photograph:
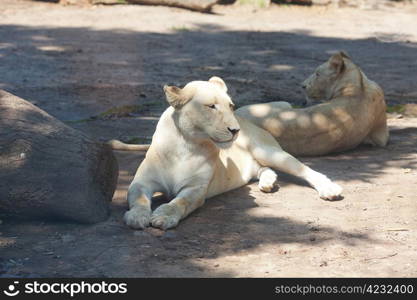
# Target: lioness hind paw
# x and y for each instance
(331, 191)
(268, 187)
(138, 219)
(268, 181)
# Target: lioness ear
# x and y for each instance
(344, 54)
(175, 96)
(336, 62)
(219, 82)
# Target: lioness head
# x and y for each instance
(203, 109)
(323, 84)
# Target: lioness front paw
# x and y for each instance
(137, 218)
(165, 216)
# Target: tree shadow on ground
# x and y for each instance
(223, 227)
(86, 71)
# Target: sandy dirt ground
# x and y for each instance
(78, 62)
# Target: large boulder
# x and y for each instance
(50, 170)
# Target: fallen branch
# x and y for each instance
(384, 257)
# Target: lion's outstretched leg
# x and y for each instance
(274, 157)
(139, 198)
(262, 111)
(267, 180)
(168, 215)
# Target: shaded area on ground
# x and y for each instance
(41, 64)
(236, 228)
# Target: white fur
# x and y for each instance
(194, 156)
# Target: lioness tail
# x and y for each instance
(118, 145)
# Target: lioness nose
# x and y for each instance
(303, 85)
(234, 131)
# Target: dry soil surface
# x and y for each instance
(78, 62)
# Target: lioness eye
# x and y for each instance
(317, 74)
(212, 106)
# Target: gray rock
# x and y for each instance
(68, 238)
(50, 170)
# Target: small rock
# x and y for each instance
(314, 228)
(38, 248)
(68, 238)
(169, 235)
(140, 233)
(154, 231)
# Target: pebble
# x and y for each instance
(154, 231)
(170, 235)
(140, 233)
(67, 238)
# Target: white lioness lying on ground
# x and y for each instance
(354, 113)
(200, 149)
